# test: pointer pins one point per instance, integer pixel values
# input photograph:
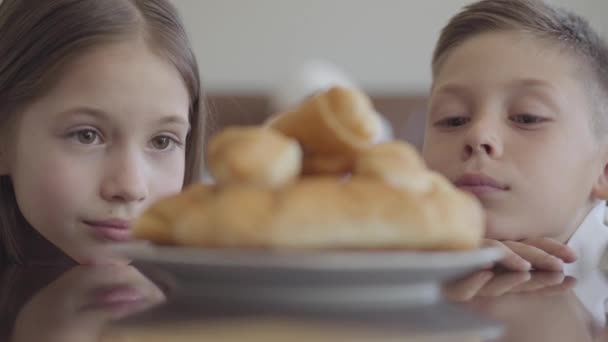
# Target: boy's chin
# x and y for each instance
(497, 229)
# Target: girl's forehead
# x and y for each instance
(121, 78)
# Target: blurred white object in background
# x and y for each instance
(311, 78)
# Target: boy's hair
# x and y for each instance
(38, 39)
(539, 19)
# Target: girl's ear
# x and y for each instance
(600, 189)
(3, 162)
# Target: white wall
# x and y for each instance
(249, 45)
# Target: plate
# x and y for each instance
(312, 260)
(386, 289)
(343, 278)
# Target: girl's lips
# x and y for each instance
(113, 230)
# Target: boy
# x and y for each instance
(518, 116)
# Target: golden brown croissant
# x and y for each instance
(391, 201)
(158, 221)
(323, 213)
(332, 128)
(254, 156)
(396, 163)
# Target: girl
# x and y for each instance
(99, 116)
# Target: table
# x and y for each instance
(122, 304)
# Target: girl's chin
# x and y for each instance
(103, 260)
(99, 254)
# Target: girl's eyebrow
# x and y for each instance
(174, 119)
(85, 111)
(103, 116)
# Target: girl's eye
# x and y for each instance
(453, 121)
(86, 136)
(527, 119)
(163, 142)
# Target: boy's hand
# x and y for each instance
(542, 254)
(496, 284)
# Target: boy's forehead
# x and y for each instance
(505, 59)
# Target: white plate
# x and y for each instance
(423, 266)
(298, 278)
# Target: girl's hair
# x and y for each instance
(565, 29)
(38, 39)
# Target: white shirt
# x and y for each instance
(589, 242)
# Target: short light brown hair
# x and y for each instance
(39, 38)
(567, 30)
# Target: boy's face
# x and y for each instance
(510, 121)
(104, 143)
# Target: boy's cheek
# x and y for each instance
(435, 158)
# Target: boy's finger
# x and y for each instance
(511, 261)
(540, 280)
(540, 260)
(554, 248)
(504, 283)
(466, 289)
(558, 289)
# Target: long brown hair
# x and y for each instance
(567, 30)
(39, 38)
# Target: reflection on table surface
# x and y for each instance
(121, 303)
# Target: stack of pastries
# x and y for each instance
(316, 178)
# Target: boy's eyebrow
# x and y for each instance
(454, 89)
(531, 83)
(542, 89)
(462, 90)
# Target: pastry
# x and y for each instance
(158, 221)
(324, 213)
(254, 156)
(332, 127)
(277, 188)
(396, 163)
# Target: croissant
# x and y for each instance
(332, 128)
(254, 155)
(277, 187)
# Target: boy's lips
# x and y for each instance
(480, 184)
(112, 229)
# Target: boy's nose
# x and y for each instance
(482, 139)
(479, 149)
(125, 182)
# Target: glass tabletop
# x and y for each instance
(126, 303)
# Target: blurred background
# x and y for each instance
(259, 56)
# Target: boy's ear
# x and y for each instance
(600, 189)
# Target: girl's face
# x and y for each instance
(98, 148)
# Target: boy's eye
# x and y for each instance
(527, 119)
(163, 142)
(86, 136)
(453, 121)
